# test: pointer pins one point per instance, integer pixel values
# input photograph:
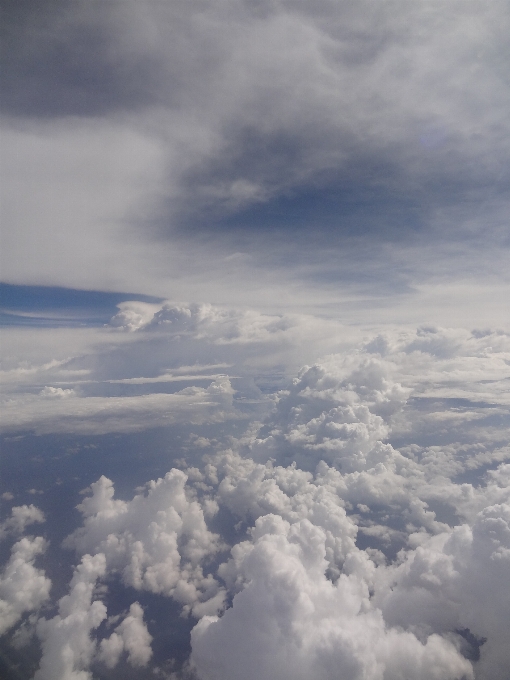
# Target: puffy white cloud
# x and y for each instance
(23, 587)
(266, 349)
(67, 645)
(343, 411)
(236, 335)
(133, 315)
(436, 611)
(132, 636)
(443, 592)
(157, 541)
(449, 362)
(253, 490)
(56, 392)
(337, 411)
(290, 621)
(354, 546)
(383, 502)
(456, 582)
(21, 517)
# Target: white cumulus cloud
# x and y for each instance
(157, 541)
(132, 636)
(23, 587)
(66, 638)
(290, 621)
(21, 517)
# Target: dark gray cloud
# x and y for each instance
(345, 118)
(60, 59)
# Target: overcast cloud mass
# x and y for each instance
(256, 347)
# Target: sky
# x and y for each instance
(255, 370)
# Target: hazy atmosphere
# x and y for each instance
(255, 285)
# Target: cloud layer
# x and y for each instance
(183, 149)
(321, 484)
(359, 521)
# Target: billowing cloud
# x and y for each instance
(324, 425)
(334, 413)
(214, 355)
(23, 587)
(21, 517)
(156, 541)
(66, 641)
(356, 522)
(454, 581)
(290, 621)
(426, 583)
(132, 636)
(345, 551)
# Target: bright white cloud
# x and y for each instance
(455, 581)
(66, 641)
(342, 540)
(132, 636)
(21, 517)
(433, 362)
(290, 621)
(243, 345)
(157, 541)
(23, 587)
(335, 412)
(134, 315)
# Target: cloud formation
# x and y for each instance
(213, 355)
(198, 146)
(66, 642)
(131, 636)
(361, 525)
(23, 587)
(21, 517)
(241, 93)
(290, 621)
(327, 453)
(157, 542)
(59, 410)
